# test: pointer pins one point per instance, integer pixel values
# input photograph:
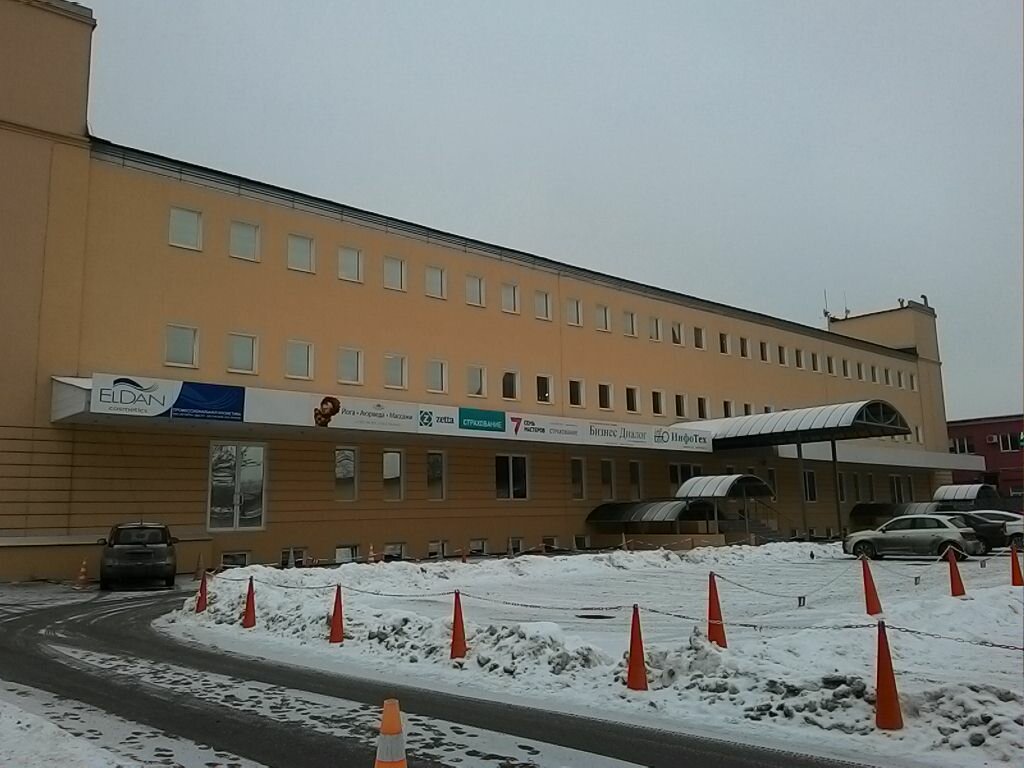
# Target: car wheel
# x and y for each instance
(1017, 540)
(946, 546)
(169, 582)
(864, 549)
(985, 548)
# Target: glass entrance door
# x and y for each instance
(237, 478)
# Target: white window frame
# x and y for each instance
(199, 229)
(237, 511)
(359, 365)
(611, 396)
(728, 411)
(511, 478)
(342, 250)
(600, 476)
(231, 229)
(703, 340)
(515, 309)
(401, 475)
(255, 353)
(846, 368)
(309, 360)
(830, 365)
(678, 331)
(355, 473)
(603, 318)
(629, 323)
(482, 285)
(195, 346)
(312, 253)
(913, 383)
(686, 406)
(748, 410)
(860, 371)
(654, 329)
(444, 475)
(798, 358)
(658, 398)
(583, 393)
(518, 384)
(887, 376)
(574, 307)
(547, 305)
(444, 376)
(815, 362)
(483, 379)
(551, 388)
(443, 274)
(724, 344)
(901, 380)
(783, 355)
(744, 347)
(636, 398)
(405, 370)
(764, 351)
(403, 285)
(583, 478)
(705, 400)
(809, 473)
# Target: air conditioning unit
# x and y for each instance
(992, 439)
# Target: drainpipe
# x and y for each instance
(835, 483)
(803, 488)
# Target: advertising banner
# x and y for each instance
(138, 396)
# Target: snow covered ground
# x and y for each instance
(552, 632)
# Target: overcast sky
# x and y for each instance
(753, 153)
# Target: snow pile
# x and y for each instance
(30, 741)
(806, 675)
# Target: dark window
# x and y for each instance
(510, 480)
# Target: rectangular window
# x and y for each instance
(815, 363)
(869, 486)
(549, 543)
(510, 298)
(603, 317)
(899, 380)
(677, 333)
(394, 273)
(909, 488)
(237, 478)
(542, 305)
(961, 445)
(798, 355)
(918, 435)
(636, 490)
(810, 486)
(698, 338)
(727, 408)
(581, 542)
(476, 381)
(576, 391)
(515, 545)
(887, 377)
(299, 360)
(604, 396)
(346, 553)
(545, 391)
(394, 550)
(783, 358)
(241, 353)
(607, 479)
(846, 368)
(350, 366)
(744, 347)
(436, 549)
(841, 489)
(1009, 442)
(436, 490)
(702, 407)
(874, 374)
(577, 479)
(181, 346)
(676, 477)
(855, 482)
(629, 323)
(860, 371)
(830, 365)
(748, 409)
(475, 291)
(896, 489)
(723, 343)
(773, 483)
(510, 479)
(913, 382)
(300, 253)
(345, 474)
(350, 264)
(437, 376)
(654, 329)
(632, 400)
(680, 406)
(574, 312)
(763, 346)
(510, 385)
(391, 468)
(396, 374)
(435, 283)
(477, 547)
(658, 403)
(244, 241)
(185, 229)
(234, 559)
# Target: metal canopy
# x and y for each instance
(653, 511)
(724, 487)
(964, 492)
(839, 421)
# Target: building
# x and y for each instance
(997, 439)
(279, 376)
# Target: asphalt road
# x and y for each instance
(121, 625)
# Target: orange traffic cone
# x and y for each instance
(716, 627)
(636, 671)
(201, 599)
(874, 606)
(83, 578)
(887, 701)
(391, 742)
(337, 625)
(249, 617)
(458, 630)
(956, 584)
(1016, 578)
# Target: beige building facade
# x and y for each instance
(278, 376)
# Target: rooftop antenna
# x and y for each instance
(846, 306)
(828, 317)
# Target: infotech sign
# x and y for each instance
(683, 440)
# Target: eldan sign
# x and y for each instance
(136, 396)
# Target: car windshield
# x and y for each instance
(140, 536)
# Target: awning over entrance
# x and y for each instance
(839, 421)
(653, 511)
(965, 492)
(720, 487)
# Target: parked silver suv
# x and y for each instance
(138, 552)
(915, 535)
